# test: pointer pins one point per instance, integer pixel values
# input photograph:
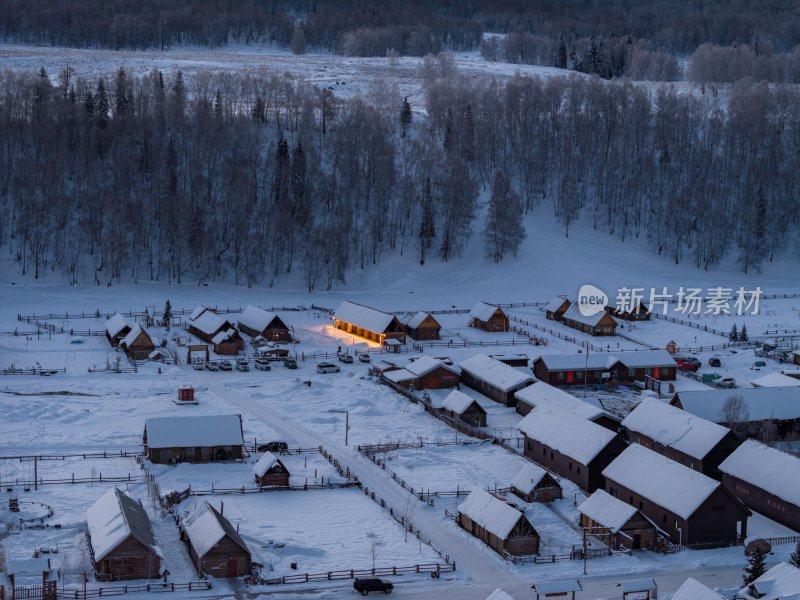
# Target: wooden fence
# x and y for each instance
(774, 541)
(33, 371)
(119, 590)
(104, 454)
(433, 568)
(368, 449)
(28, 483)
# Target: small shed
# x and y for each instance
(116, 329)
(626, 526)
(391, 345)
(639, 586)
(138, 344)
(600, 323)
(503, 528)
(534, 484)
(458, 405)
(215, 545)
(636, 312)
(557, 589)
(186, 394)
(193, 439)
(556, 308)
(488, 317)
(421, 326)
(227, 342)
(269, 470)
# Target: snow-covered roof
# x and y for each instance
(27, 566)
(781, 582)
(499, 594)
(133, 334)
(775, 380)
(158, 352)
(762, 403)
(205, 527)
(542, 391)
(606, 510)
(425, 364)
(113, 518)
(565, 431)
(638, 585)
(415, 320)
(675, 428)
(197, 312)
(398, 375)
(458, 402)
(556, 303)
(528, 478)
(483, 311)
(494, 515)
(115, 325)
(768, 468)
(264, 464)
(362, 316)
(223, 335)
(573, 313)
(691, 589)
(557, 587)
(495, 373)
(392, 342)
(605, 360)
(641, 359)
(207, 320)
(666, 482)
(257, 318)
(192, 432)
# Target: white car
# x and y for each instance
(327, 368)
(262, 364)
(726, 382)
(198, 365)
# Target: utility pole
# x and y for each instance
(35, 473)
(346, 422)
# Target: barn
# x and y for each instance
(685, 504)
(600, 323)
(494, 379)
(556, 308)
(369, 323)
(193, 439)
(534, 484)
(503, 528)
(458, 405)
(215, 546)
(421, 326)
(600, 367)
(138, 344)
(569, 445)
(424, 373)
(627, 527)
(215, 329)
(766, 480)
(269, 470)
(255, 321)
(589, 408)
(637, 312)
(681, 436)
(121, 539)
(488, 317)
(116, 329)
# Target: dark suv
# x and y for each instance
(273, 447)
(365, 586)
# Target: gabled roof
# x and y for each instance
(199, 310)
(605, 360)
(542, 391)
(207, 320)
(265, 463)
(192, 432)
(557, 587)
(565, 431)
(775, 380)
(115, 517)
(640, 359)
(557, 303)
(28, 566)
(601, 507)
(223, 335)
(665, 482)
(205, 527)
(770, 469)
(573, 313)
(494, 515)
(527, 479)
(762, 403)
(115, 325)
(675, 428)
(483, 311)
(398, 375)
(362, 316)
(638, 585)
(134, 333)
(426, 364)
(258, 319)
(499, 594)
(781, 582)
(691, 589)
(459, 402)
(495, 373)
(415, 320)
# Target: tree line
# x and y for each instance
(253, 176)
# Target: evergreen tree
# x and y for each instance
(167, 320)
(427, 229)
(733, 336)
(259, 109)
(101, 104)
(218, 103)
(299, 186)
(178, 96)
(89, 104)
(405, 114)
(743, 337)
(561, 56)
(794, 558)
(755, 567)
(121, 93)
(504, 231)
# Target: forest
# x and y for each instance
(252, 176)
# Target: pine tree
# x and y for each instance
(121, 93)
(405, 114)
(218, 104)
(259, 109)
(167, 320)
(561, 56)
(743, 334)
(89, 103)
(755, 567)
(427, 229)
(794, 558)
(733, 336)
(504, 231)
(101, 104)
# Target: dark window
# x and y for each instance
(641, 505)
(579, 470)
(570, 466)
(544, 451)
(630, 500)
(663, 518)
(551, 456)
(718, 508)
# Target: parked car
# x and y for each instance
(226, 365)
(726, 382)
(365, 586)
(714, 361)
(198, 365)
(242, 365)
(363, 357)
(262, 364)
(290, 363)
(212, 365)
(346, 358)
(273, 447)
(687, 365)
(327, 368)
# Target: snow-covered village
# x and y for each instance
(442, 300)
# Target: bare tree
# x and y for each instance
(735, 413)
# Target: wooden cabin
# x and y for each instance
(255, 322)
(690, 440)
(556, 308)
(781, 582)
(569, 445)
(494, 379)
(563, 590)
(534, 484)
(116, 329)
(121, 539)
(216, 330)
(138, 344)
(503, 528)
(625, 527)
(193, 439)
(424, 373)
(215, 545)
(269, 470)
(765, 480)
(599, 324)
(589, 408)
(457, 405)
(368, 323)
(421, 326)
(638, 312)
(602, 367)
(685, 504)
(488, 317)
